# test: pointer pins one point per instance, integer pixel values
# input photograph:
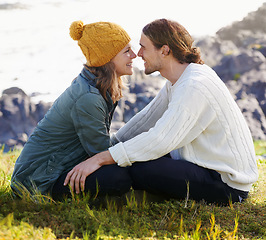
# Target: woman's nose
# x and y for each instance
(133, 55)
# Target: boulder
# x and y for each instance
(254, 116)
(254, 85)
(18, 117)
(213, 49)
(262, 49)
(233, 66)
(241, 33)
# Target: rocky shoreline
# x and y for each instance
(237, 53)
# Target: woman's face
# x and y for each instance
(123, 61)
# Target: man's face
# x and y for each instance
(150, 55)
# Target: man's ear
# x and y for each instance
(165, 50)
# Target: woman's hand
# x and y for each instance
(77, 176)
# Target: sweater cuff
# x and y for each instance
(119, 155)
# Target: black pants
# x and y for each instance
(108, 180)
(165, 177)
(174, 178)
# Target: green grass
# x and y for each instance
(83, 218)
(260, 147)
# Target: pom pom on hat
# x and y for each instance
(100, 41)
(76, 30)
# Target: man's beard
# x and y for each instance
(149, 70)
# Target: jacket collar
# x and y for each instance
(90, 77)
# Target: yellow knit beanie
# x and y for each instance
(100, 41)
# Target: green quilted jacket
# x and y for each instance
(75, 128)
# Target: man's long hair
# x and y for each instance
(107, 80)
(176, 37)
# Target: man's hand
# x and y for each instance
(77, 176)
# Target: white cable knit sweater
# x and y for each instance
(195, 119)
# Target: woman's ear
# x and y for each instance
(165, 50)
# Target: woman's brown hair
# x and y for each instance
(107, 80)
(176, 37)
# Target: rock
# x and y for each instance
(262, 49)
(253, 84)
(249, 91)
(118, 114)
(253, 25)
(18, 117)
(213, 49)
(141, 90)
(254, 116)
(115, 126)
(233, 66)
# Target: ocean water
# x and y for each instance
(38, 55)
(36, 51)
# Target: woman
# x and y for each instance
(77, 125)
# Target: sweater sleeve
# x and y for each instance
(179, 124)
(145, 119)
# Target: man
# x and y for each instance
(191, 139)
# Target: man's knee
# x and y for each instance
(113, 180)
(121, 179)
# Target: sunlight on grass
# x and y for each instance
(260, 147)
(23, 230)
(131, 217)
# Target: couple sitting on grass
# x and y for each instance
(192, 132)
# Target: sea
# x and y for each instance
(36, 51)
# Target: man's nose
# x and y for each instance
(140, 53)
